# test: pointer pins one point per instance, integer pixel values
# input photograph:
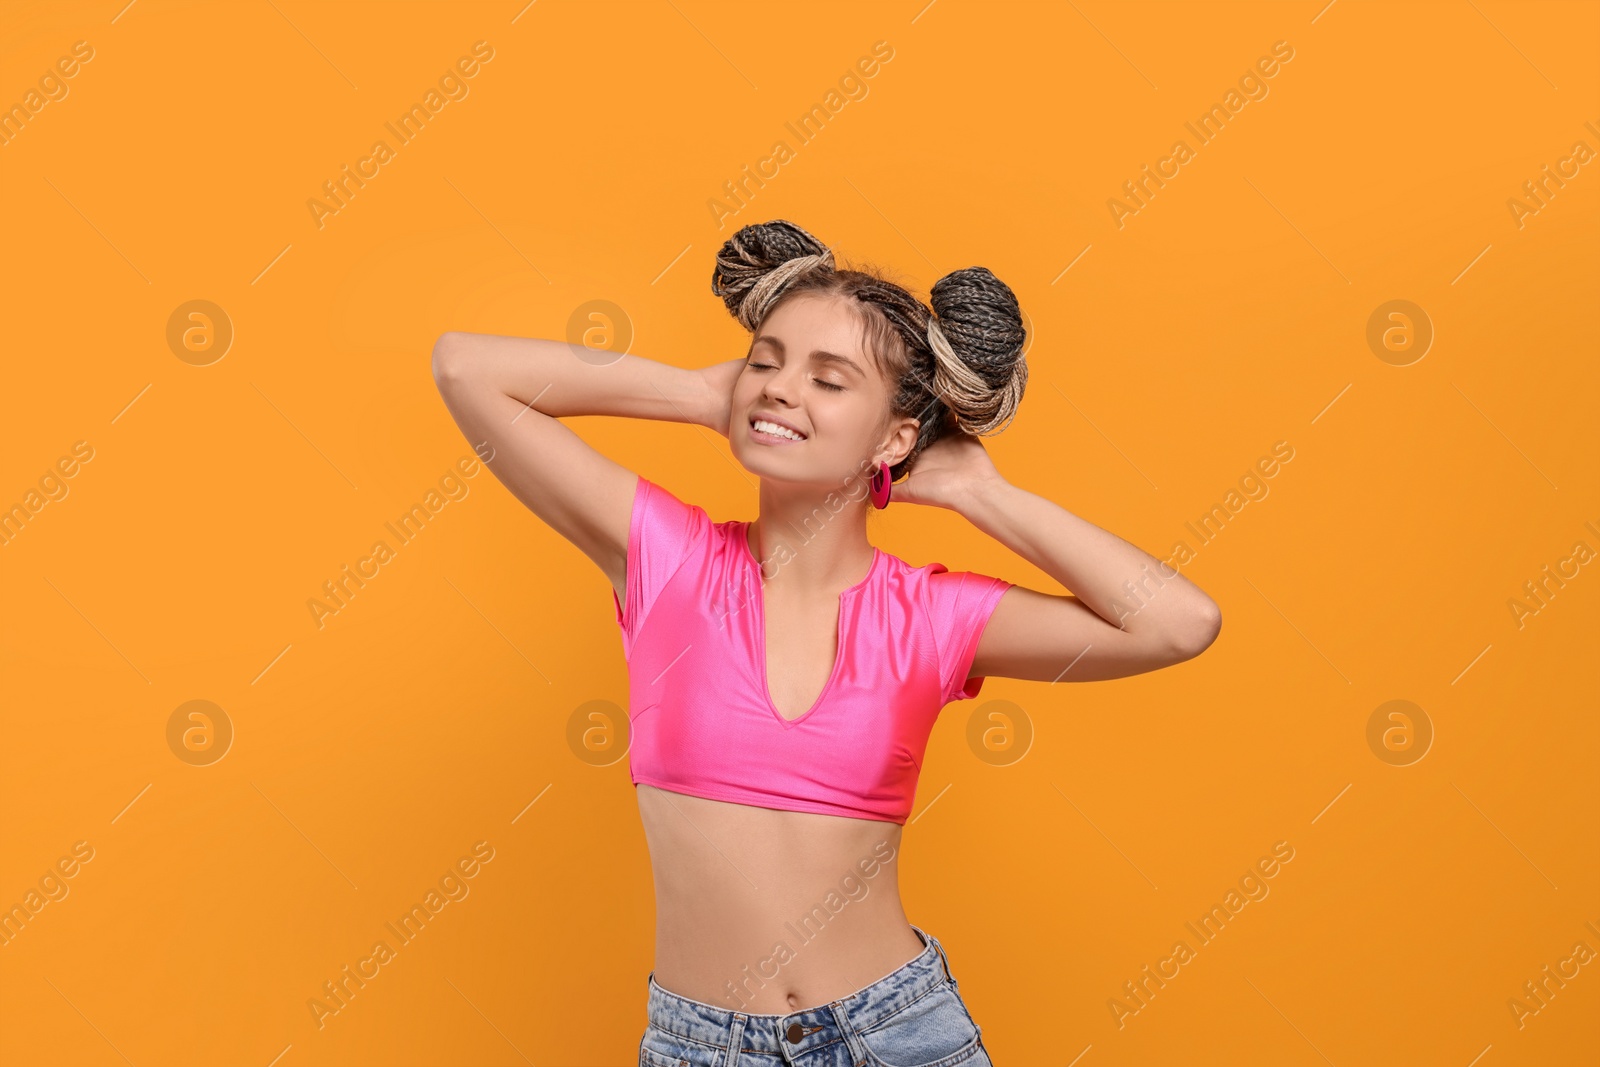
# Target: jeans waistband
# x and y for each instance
(797, 1032)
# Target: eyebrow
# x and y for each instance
(819, 354)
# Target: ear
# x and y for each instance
(902, 438)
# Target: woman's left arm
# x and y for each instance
(1129, 612)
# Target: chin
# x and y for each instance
(763, 463)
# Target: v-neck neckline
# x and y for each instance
(761, 630)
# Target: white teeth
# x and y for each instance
(777, 431)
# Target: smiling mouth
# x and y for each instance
(775, 431)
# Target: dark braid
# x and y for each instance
(959, 366)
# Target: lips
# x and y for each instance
(764, 417)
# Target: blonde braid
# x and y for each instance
(979, 409)
(771, 284)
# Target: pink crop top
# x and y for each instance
(701, 719)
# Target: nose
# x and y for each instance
(776, 387)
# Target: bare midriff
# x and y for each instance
(768, 912)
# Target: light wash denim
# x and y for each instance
(913, 1017)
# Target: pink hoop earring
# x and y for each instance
(880, 486)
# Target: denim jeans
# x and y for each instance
(912, 1017)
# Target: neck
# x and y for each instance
(801, 542)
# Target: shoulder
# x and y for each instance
(665, 531)
(948, 595)
(656, 505)
(897, 571)
(923, 585)
(893, 564)
(657, 495)
(922, 576)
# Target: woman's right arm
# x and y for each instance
(508, 393)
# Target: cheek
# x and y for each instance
(849, 422)
(745, 388)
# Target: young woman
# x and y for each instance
(784, 673)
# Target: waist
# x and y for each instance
(793, 1030)
(760, 910)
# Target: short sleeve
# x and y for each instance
(662, 532)
(960, 604)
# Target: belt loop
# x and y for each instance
(735, 1039)
(858, 1051)
(938, 949)
(944, 960)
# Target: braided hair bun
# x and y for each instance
(979, 370)
(756, 264)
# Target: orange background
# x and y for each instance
(1228, 314)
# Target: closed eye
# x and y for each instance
(819, 381)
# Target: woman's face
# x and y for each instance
(807, 371)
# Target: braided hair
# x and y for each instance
(958, 366)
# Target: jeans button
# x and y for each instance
(794, 1033)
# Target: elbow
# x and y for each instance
(1199, 634)
(449, 356)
